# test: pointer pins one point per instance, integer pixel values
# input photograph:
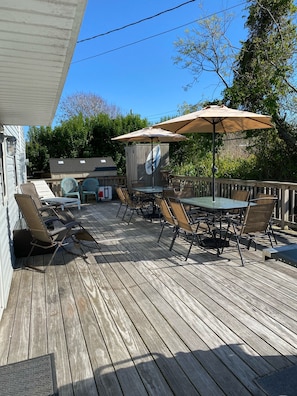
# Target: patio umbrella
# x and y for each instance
(151, 135)
(216, 119)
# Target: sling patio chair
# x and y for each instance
(45, 208)
(255, 223)
(166, 218)
(192, 231)
(135, 206)
(263, 198)
(51, 233)
(121, 196)
(239, 195)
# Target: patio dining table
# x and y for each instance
(220, 204)
(219, 208)
(152, 191)
(149, 190)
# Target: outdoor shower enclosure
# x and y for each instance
(136, 158)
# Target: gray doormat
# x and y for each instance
(282, 382)
(33, 377)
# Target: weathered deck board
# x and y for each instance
(137, 319)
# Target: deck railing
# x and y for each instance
(285, 214)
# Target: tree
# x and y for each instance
(87, 104)
(264, 67)
(81, 137)
(261, 77)
(37, 149)
(208, 49)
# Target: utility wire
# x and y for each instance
(134, 23)
(156, 35)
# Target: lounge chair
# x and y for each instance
(45, 208)
(47, 196)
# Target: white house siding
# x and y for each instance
(14, 173)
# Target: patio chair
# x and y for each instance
(263, 198)
(122, 199)
(47, 196)
(239, 195)
(135, 206)
(45, 208)
(167, 218)
(256, 221)
(49, 233)
(69, 187)
(194, 231)
(90, 186)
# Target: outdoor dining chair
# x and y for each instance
(239, 195)
(256, 222)
(166, 218)
(192, 231)
(122, 199)
(135, 206)
(263, 198)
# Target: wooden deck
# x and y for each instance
(136, 319)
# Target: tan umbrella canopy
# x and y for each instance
(150, 135)
(216, 119)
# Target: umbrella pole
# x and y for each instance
(152, 151)
(213, 161)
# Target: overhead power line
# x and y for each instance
(156, 35)
(135, 23)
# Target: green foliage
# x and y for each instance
(81, 137)
(259, 77)
(264, 66)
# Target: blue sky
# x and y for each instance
(142, 77)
